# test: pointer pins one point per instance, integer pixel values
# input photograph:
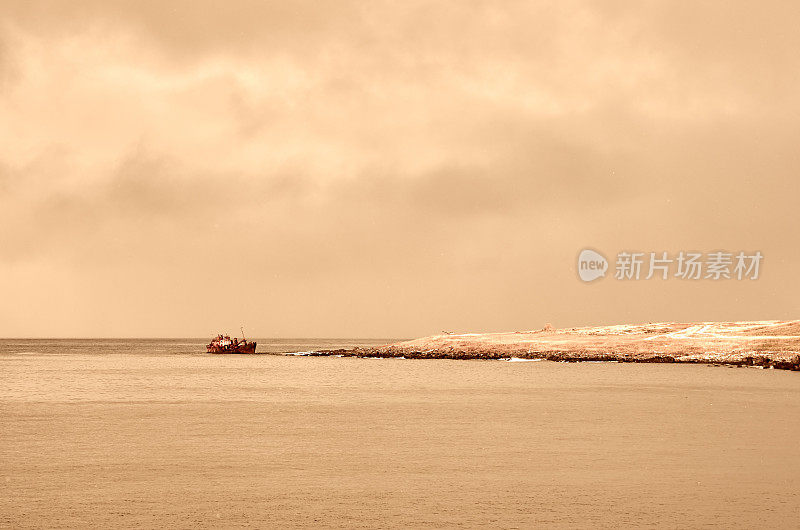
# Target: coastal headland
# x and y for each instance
(766, 344)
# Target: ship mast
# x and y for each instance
(242, 328)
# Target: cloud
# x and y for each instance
(413, 149)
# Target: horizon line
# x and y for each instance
(198, 338)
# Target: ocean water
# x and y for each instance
(157, 433)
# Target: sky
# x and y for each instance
(390, 169)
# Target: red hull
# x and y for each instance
(250, 347)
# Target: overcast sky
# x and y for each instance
(377, 169)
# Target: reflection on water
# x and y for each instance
(158, 433)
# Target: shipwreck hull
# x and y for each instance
(250, 347)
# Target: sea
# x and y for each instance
(157, 433)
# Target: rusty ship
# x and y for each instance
(224, 344)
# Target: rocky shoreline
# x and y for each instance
(764, 344)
